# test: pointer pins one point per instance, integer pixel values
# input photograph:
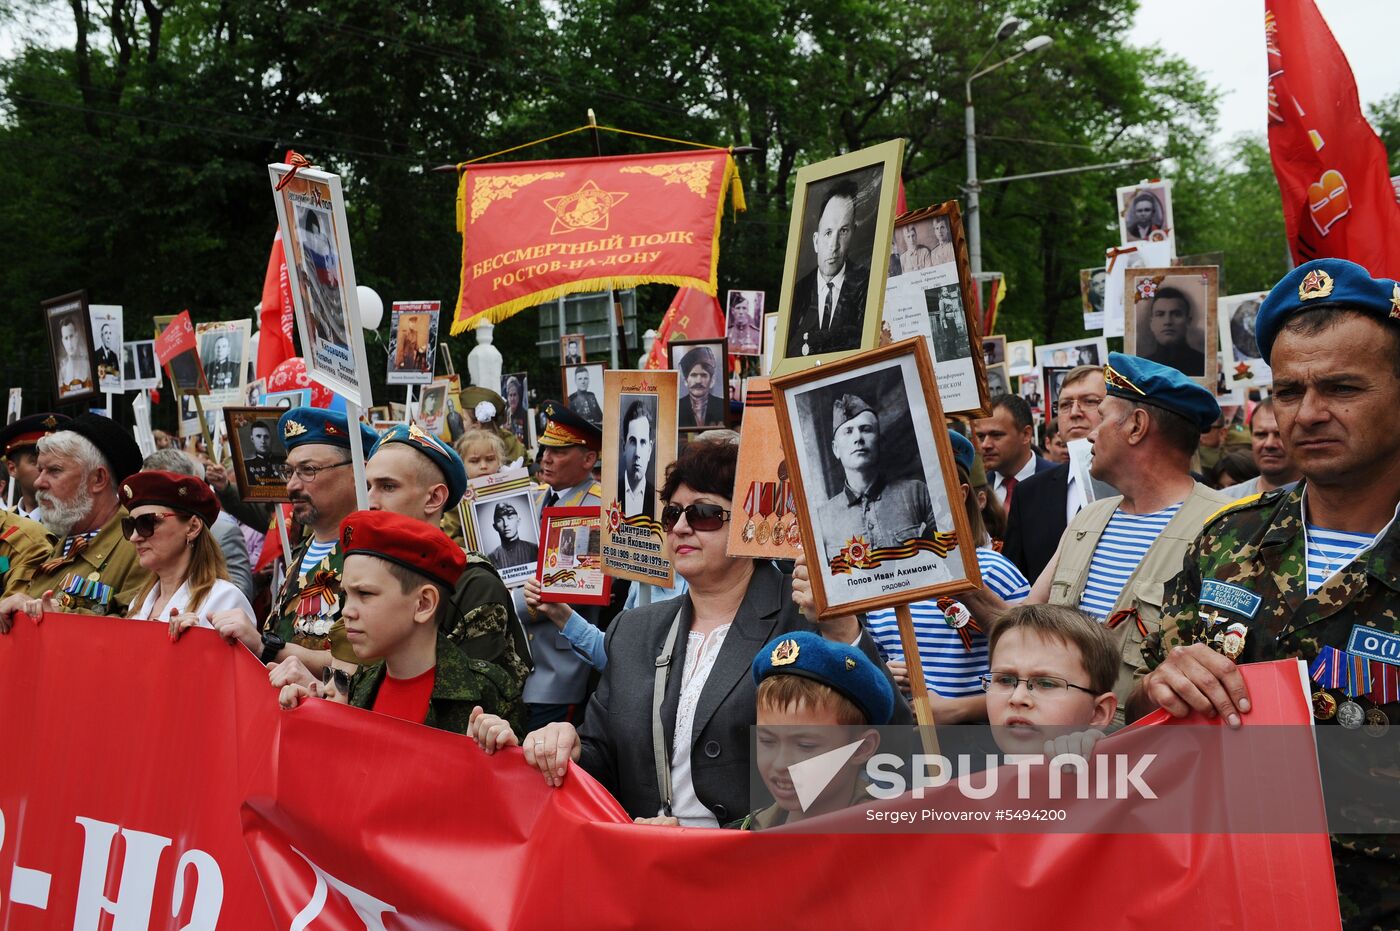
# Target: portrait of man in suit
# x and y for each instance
(636, 480)
(107, 371)
(828, 303)
(703, 405)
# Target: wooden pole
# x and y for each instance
(282, 535)
(923, 711)
(357, 455)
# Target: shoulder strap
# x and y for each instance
(658, 730)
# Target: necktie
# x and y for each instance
(551, 499)
(826, 308)
(1010, 486)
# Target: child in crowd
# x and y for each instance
(398, 580)
(952, 647)
(483, 452)
(1050, 688)
(814, 696)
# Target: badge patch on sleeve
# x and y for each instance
(1376, 644)
(1230, 597)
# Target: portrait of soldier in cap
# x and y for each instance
(579, 383)
(507, 534)
(264, 455)
(883, 510)
(701, 369)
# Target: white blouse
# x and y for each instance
(222, 597)
(701, 651)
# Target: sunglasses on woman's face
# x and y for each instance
(337, 679)
(700, 517)
(145, 525)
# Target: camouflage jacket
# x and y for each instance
(24, 546)
(307, 610)
(460, 684)
(484, 623)
(1248, 568)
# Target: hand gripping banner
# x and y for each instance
(533, 231)
(151, 784)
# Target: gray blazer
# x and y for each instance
(615, 737)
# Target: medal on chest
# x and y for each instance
(766, 493)
(750, 503)
(956, 616)
(317, 605)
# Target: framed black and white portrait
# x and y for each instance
(223, 349)
(583, 389)
(1020, 357)
(259, 456)
(1145, 214)
(703, 365)
(743, 324)
(1092, 282)
(1244, 365)
(835, 271)
(106, 320)
(998, 379)
(639, 441)
(413, 336)
(1052, 377)
(994, 349)
(1170, 316)
(636, 454)
(515, 388)
(1088, 351)
(70, 347)
(507, 532)
(874, 421)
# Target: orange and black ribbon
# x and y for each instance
(965, 632)
(297, 161)
(1120, 616)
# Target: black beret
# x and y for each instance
(112, 440)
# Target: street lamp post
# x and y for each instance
(974, 187)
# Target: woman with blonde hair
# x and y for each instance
(168, 520)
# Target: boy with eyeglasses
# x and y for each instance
(1051, 680)
(398, 578)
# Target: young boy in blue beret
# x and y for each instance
(398, 580)
(814, 696)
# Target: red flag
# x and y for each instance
(275, 344)
(1338, 201)
(532, 231)
(693, 314)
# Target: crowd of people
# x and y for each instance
(1189, 545)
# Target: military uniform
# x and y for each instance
(307, 610)
(102, 576)
(24, 546)
(886, 515)
(484, 623)
(459, 684)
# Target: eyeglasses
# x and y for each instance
(145, 525)
(338, 679)
(307, 473)
(1005, 682)
(700, 517)
(1087, 405)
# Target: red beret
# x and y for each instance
(173, 490)
(413, 544)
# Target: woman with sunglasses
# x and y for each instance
(704, 695)
(168, 521)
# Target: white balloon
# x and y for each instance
(371, 308)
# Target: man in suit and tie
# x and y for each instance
(636, 480)
(828, 304)
(1043, 506)
(1004, 440)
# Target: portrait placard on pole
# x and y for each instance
(639, 435)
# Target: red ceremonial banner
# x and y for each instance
(532, 231)
(275, 316)
(150, 784)
(177, 337)
(1332, 169)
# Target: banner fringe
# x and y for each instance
(502, 312)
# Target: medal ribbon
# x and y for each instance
(782, 502)
(965, 632)
(1358, 675)
(766, 493)
(749, 498)
(1385, 683)
(1326, 670)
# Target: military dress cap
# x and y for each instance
(838, 666)
(442, 456)
(183, 493)
(568, 429)
(1324, 283)
(700, 355)
(413, 544)
(505, 507)
(1136, 379)
(27, 431)
(112, 440)
(471, 397)
(963, 453)
(302, 425)
(848, 407)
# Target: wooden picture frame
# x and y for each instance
(716, 414)
(868, 182)
(634, 545)
(580, 341)
(930, 293)
(920, 546)
(257, 469)
(74, 357)
(1150, 298)
(321, 277)
(565, 574)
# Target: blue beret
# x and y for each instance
(1324, 283)
(1138, 379)
(317, 425)
(839, 666)
(442, 456)
(963, 453)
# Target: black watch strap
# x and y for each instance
(272, 645)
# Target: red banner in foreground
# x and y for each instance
(160, 784)
(532, 231)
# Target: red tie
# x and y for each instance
(1010, 485)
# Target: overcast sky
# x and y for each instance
(1224, 40)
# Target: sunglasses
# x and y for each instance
(339, 678)
(145, 525)
(700, 517)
